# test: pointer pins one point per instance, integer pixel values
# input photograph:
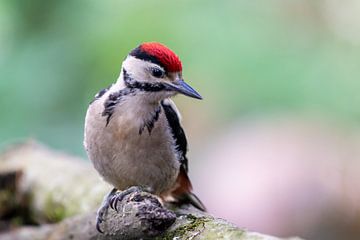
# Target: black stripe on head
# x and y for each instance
(140, 54)
(143, 86)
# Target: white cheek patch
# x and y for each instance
(140, 69)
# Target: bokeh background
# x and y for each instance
(274, 145)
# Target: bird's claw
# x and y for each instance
(118, 197)
(111, 200)
(103, 209)
(114, 201)
(99, 220)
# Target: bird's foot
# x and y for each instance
(111, 200)
(103, 209)
(118, 197)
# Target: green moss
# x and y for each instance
(191, 227)
(54, 211)
(17, 221)
(204, 228)
(222, 230)
(7, 200)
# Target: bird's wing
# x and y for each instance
(173, 117)
(182, 189)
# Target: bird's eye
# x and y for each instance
(158, 73)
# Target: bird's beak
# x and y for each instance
(182, 87)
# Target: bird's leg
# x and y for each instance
(103, 209)
(111, 200)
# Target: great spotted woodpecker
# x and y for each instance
(133, 134)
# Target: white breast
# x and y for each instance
(121, 155)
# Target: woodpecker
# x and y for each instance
(133, 134)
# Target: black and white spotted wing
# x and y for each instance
(177, 131)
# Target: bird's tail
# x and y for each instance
(183, 194)
(191, 198)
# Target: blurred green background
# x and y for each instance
(249, 59)
(244, 56)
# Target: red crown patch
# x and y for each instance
(168, 59)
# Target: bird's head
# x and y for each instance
(156, 71)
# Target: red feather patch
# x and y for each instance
(164, 55)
